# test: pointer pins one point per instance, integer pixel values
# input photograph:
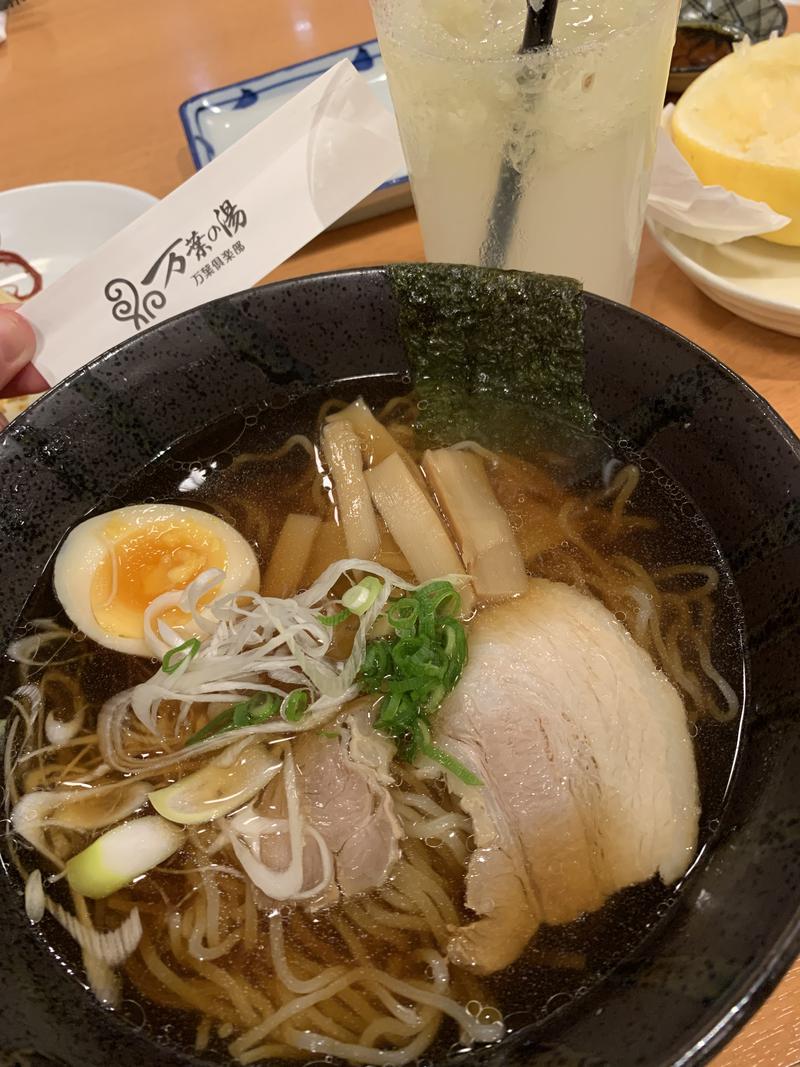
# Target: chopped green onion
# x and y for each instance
(377, 664)
(188, 650)
(267, 709)
(295, 705)
(256, 710)
(240, 717)
(435, 698)
(442, 597)
(450, 764)
(334, 620)
(401, 685)
(416, 669)
(360, 597)
(252, 712)
(402, 614)
(455, 650)
(219, 724)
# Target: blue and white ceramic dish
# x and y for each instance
(214, 120)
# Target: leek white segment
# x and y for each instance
(122, 855)
(217, 790)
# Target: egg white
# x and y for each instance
(84, 550)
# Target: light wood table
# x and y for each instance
(89, 89)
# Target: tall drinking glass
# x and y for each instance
(536, 161)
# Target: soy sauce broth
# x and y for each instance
(212, 471)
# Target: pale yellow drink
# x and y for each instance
(577, 122)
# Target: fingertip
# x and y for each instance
(28, 381)
(17, 345)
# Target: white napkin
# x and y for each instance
(3, 15)
(679, 200)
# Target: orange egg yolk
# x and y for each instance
(145, 561)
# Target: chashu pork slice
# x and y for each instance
(342, 779)
(344, 795)
(588, 770)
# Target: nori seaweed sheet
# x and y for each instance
(491, 350)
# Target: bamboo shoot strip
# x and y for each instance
(290, 556)
(483, 532)
(376, 441)
(390, 555)
(342, 449)
(415, 524)
(329, 546)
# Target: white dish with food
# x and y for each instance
(47, 229)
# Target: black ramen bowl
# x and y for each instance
(732, 929)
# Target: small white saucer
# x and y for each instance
(55, 225)
(755, 279)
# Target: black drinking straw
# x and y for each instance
(538, 36)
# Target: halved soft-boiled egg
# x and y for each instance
(112, 567)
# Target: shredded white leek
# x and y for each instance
(251, 644)
(76, 809)
(112, 947)
(57, 731)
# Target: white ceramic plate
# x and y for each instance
(754, 279)
(214, 120)
(57, 224)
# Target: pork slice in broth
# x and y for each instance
(588, 769)
(342, 783)
(343, 788)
